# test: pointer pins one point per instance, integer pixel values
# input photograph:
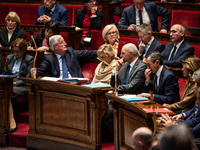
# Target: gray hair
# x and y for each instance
(145, 28)
(107, 28)
(132, 48)
(182, 28)
(54, 40)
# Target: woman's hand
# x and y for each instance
(43, 49)
(29, 48)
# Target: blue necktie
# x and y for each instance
(127, 73)
(173, 53)
(146, 49)
(64, 68)
(140, 16)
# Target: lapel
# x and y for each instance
(160, 80)
(133, 70)
(149, 12)
(179, 51)
(23, 66)
(14, 34)
(57, 68)
(133, 14)
(151, 47)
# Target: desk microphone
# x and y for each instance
(31, 34)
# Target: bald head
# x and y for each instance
(142, 138)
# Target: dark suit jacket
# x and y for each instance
(60, 14)
(95, 23)
(72, 57)
(135, 83)
(129, 16)
(168, 89)
(183, 52)
(1, 63)
(38, 39)
(155, 46)
(18, 33)
(24, 71)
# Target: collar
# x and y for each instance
(139, 9)
(159, 71)
(149, 43)
(10, 31)
(133, 63)
(179, 44)
(52, 9)
(58, 56)
(17, 59)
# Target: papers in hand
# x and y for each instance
(96, 85)
(133, 98)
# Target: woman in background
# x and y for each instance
(12, 30)
(42, 38)
(111, 36)
(88, 18)
(190, 65)
(104, 69)
(19, 64)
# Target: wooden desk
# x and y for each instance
(64, 116)
(6, 90)
(128, 116)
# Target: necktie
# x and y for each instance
(127, 73)
(48, 13)
(156, 77)
(173, 53)
(64, 68)
(140, 16)
(146, 49)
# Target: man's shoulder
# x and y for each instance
(41, 7)
(132, 7)
(60, 7)
(169, 73)
(28, 57)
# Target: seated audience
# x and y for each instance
(1, 63)
(88, 18)
(165, 84)
(178, 49)
(190, 65)
(142, 139)
(130, 71)
(141, 12)
(176, 138)
(51, 11)
(104, 69)
(147, 41)
(191, 118)
(42, 38)
(12, 30)
(111, 36)
(18, 64)
(63, 63)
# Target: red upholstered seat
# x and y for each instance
(196, 50)
(181, 83)
(116, 19)
(26, 12)
(4, 10)
(76, 7)
(28, 37)
(186, 18)
(65, 36)
(70, 14)
(88, 70)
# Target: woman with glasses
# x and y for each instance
(111, 36)
(12, 30)
(42, 38)
(88, 18)
(190, 65)
(18, 64)
(104, 69)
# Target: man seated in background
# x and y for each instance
(130, 71)
(165, 84)
(51, 11)
(63, 63)
(140, 13)
(147, 41)
(178, 49)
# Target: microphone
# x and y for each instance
(31, 34)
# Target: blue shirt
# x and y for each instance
(15, 69)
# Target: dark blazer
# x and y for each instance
(95, 23)
(72, 57)
(38, 39)
(60, 14)
(1, 63)
(135, 83)
(183, 52)
(168, 89)
(129, 16)
(155, 46)
(24, 71)
(18, 33)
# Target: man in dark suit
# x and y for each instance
(52, 12)
(130, 71)
(147, 41)
(178, 49)
(63, 63)
(166, 89)
(140, 13)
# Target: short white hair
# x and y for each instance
(54, 40)
(132, 48)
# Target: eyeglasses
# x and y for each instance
(110, 33)
(16, 52)
(62, 42)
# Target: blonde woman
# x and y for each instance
(104, 69)
(12, 30)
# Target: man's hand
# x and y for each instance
(163, 31)
(14, 84)
(147, 74)
(33, 72)
(120, 63)
(165, 105)
(141, 47)
(41, 19)
(132, 27)
(43, 48)
(166, 120)
(46, 19)
(147, 95)
(178, 117)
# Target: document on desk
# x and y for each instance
(50, 78)
(96, 85)
(158, 110)
(132, 97)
